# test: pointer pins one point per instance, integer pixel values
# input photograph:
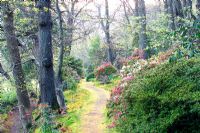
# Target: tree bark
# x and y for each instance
(3, 72)
(59, 85)
(170, 11)
(107, 34)
(136, 8)
(177, 8)
(125, 13)
(142, 30)
(159, 6)
(46, 78)
(12, 45)
(187, 8)
(178, 13)
(165, 6)
(70, 27)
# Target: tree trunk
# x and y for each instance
(136, 8)
(178, 13)
(70, 27)
(107, 34)
(165, 6)
(159, 6)
(125, 13)
(46, 78)
(142, 31)
(59, 86)
(177, 8)
(12, 45)
(187, 8)
(171, 15)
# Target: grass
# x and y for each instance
(77, 103)
(114, 82)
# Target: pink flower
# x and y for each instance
(112, 125)
(117, 115)
(128, 78)
(117, 91)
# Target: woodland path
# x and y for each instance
(93, 120)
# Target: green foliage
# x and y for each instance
(90, 69)
(29, 69)
(90, 73)
(47, 122)
(72, 72)
(90, 76)
(44, 120)
(75, 64)
(71, 83)
(162, 99)
(159, 35)
(8, 97)
(96, 51)
(188, 36)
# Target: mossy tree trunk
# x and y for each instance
(46, 77)
(142, 30)
(12, 45)
(59, 80)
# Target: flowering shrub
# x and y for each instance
(104, 72)
(132, 66)
(160, 99)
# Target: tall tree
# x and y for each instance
(59, 86)
(177, 8)
(72, 12)
(165, 6)
(187, 8)
(159, 5)
(46, 77)
(107, 33)
(12, 45)
(170, 12)
(142, 31)
(178, 13)
(106, 28)
(70, 25)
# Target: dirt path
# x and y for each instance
(93, 121)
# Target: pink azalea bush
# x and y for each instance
(104, 71)
(132, 65)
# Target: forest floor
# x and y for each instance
(93, 121)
